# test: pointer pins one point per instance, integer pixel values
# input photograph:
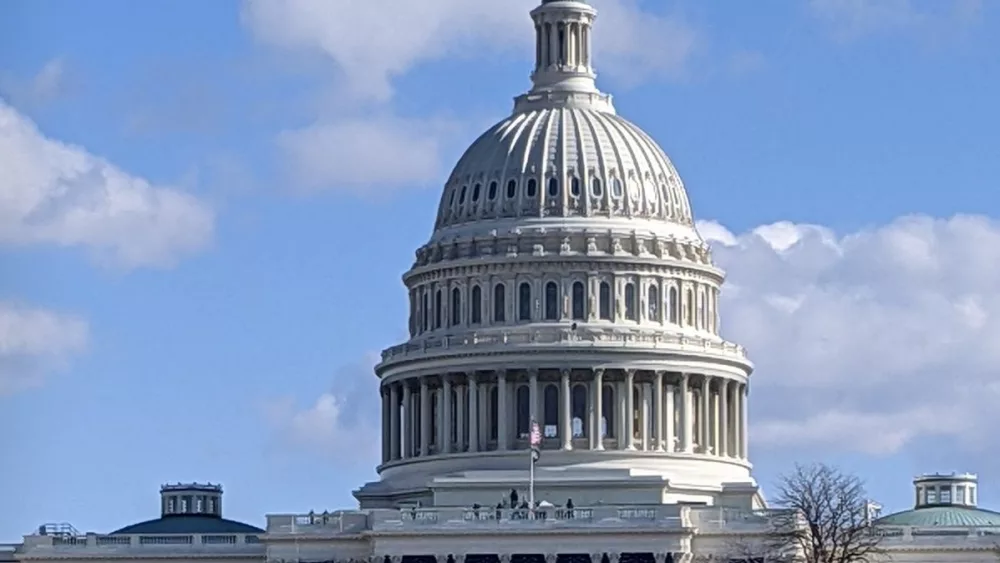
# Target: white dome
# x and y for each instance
(566, 162)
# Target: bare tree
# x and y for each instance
(827, 518)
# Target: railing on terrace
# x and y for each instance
(725, 519)
(582, 337)
(937, 535)
(183, 543)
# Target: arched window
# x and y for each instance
(454, 415)
(673, 305)
(475, 192)
(689, 310)
(608, 411)
(551, 301)
(701, 310)
(574, 187)
(522, 400)
(654, 303)
(477, 305)
(524, 302)
(553, 187)
(532, 190)
(456, 307)
(579, 301)
(616, 187)
(437, 309)
(492, 194)
(424, 316)
(511, 189)
(636, 413)
(596, 188)
(551, 415)
(499, 303)
(461, 196)
(434, 418)
(579, 411)
(630, 309)
(494, 412)
(605, 298)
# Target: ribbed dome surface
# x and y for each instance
(564, 162)
(947, 516)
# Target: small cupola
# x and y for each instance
(946, 489)
(190, 499)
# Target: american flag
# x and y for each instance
(536, 435)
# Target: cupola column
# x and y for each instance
(502, 426)
(705, 413)
(425, 417)
(407, 443)
(473, 412)
(658, 411)
(562, 48)
(687, 420)
(597, 419)
(724, 390)
(394, 421)
(447, 406)
(744, 420)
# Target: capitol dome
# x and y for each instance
(564, 285)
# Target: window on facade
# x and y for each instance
(579, 301)
(553, 187)
(477, 305)
(438, 306)
(689, 310)
(424, 309)
(211, 505)
(616, 187)
(432, 441)
(574, 187)
(456, 307)
(492, 193)
(475, 192)
(932, 497)
(608, 411)
(524, 302)
(532, 190)
(551, 301)
(701, 310)
(522, 404)
(454, 414)
(551, 415)
(579, 410)
(960, 494)
(630, 309)
(199, 505)
(171, 505)
(605, 301)
(596, 188)
(461, 195)
(636, 413)
(511, 189)
(494, 413)
(673, 305)
(654, 303)
(184, 505)
(499, 305)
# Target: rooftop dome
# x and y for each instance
(190, 508)
(944, 499)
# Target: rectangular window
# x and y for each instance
(945, 496)
(932, 496)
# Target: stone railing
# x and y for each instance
(107, 545)
(563, 337)
(724, 519)
(480, 519)
(916, 536)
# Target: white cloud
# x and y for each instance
(344, 419)
(870, 340)
(48, 84)
(853, 19)
(59, 194)
(34, 343)
(357, 155)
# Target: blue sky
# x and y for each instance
(211, 204)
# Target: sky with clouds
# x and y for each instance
(206, 207)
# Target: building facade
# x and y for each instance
(564, 285)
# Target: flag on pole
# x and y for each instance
(535, 439)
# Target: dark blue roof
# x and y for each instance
(190, 524)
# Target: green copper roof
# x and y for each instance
(189, 524)
(954, 516)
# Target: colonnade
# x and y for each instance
(593, 410)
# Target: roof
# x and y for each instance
(190, 524)
(945, 516)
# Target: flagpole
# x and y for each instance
(535, 441)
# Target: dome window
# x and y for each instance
(605, 301)
(492, 194)
(630, 310)
(532, 188)
(511, 189)
(574, 187)
(461, 196)
(451, 199)
(475, 192)
(596, 188)
(616, 187)
(553, 187)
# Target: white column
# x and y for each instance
(394, 421)
(716, 421)
(445, 445)
(724, 417)
(425, 417)
(669, 431)
(705, 413)
(484, 415)
(386, 433)
(502, 429)
(644, 415)
(598, 403)
(621, 422)
(461, 396)
(744, 422)
(687, 419)
(566, 420)
(629, 409)
(658, 411)
(473, 413)
(407, 443)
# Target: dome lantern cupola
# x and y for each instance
(187, 499)
(945, 489)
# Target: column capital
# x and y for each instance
(659, 557)
(471, 375)
(629, 371)
(500, 371)
(597, 557)
(613, 557)
(504, 557)
(458, 557)
(598, 372)
(659, 373)
(565, 371)
(551, 557)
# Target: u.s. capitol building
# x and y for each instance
(564, 283)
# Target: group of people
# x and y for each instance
(521, 509)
